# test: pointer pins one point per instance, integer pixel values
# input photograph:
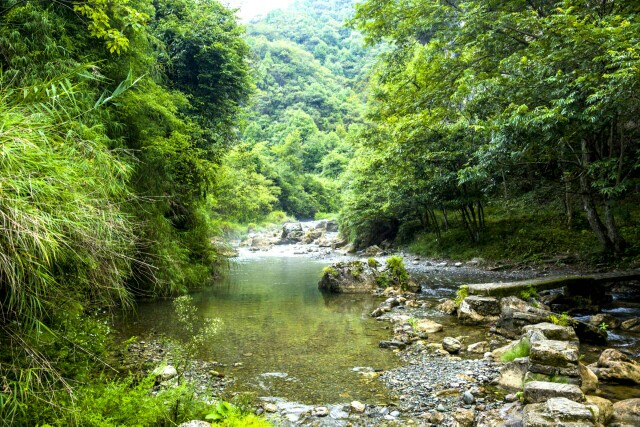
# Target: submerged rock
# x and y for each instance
(451, 345)
(631, 324)
(608, 320)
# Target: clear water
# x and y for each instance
(293, 341)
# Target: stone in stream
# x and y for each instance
(608, 320)
(468, 398)
(558, 411)
(464, 417)
(476, 310)
(626, 413)
(631, 324)
(614, 365)
(357, 407)
(541, 391)
(451, 345)
(552, 332)
(320, 411)
(479, 348)
(447, 307)
(554, 353)
(427, 326)
(588, 379)
(291, 233)
(516, 313)
(348, 277)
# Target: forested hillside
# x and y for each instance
(302, 120)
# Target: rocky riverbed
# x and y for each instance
(451, 372)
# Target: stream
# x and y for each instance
(282, 338)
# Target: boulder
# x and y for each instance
(604, 408)
(590, 334)
(516, 313)
(552, 332)
(558, 411)
(480, 347)
(541, 391)
(451, 345)
(292, 232)
(426, 326)
(165, 373)
(476, 310)
(609, 321)
(631, 324)
(373, 251)
(447, 307)
(348, 277)
(626, 413)
(554, 353)
(555, 358)
(616, 366)
(331, 226)
(512, 374)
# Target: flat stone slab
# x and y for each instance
(541, 391)
(559, 354)
(553, 332)
(556, 412)
(515, 288)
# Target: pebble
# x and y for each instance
(270, 407)
(468, 398)
(357, 406)
(395, 414)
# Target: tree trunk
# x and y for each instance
(589, 204)
(619, 244)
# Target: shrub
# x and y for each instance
(461, 294)
(562, 320)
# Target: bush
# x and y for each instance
(522, 349)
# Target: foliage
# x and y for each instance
(413, 322)
(562, 320)
(528, 293)
(330, 271)
(373, 263)
(603, 326)
(461, 294)
(229, 415)
(523, 96)
(521, 349)
(394, 274)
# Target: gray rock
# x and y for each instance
(270, 407)
(554, 353)
(395, 414)
(590, 334)
(349, 278)
(541, 391)
(558, 411)
(509, 415)
(626, 413)
(451, 345)
(516, 313)
(392, 344)
(468, 398)
(476, 310)
(553, 332)
(512, 374)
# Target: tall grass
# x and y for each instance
(64, 239)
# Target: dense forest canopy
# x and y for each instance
(481, 99)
